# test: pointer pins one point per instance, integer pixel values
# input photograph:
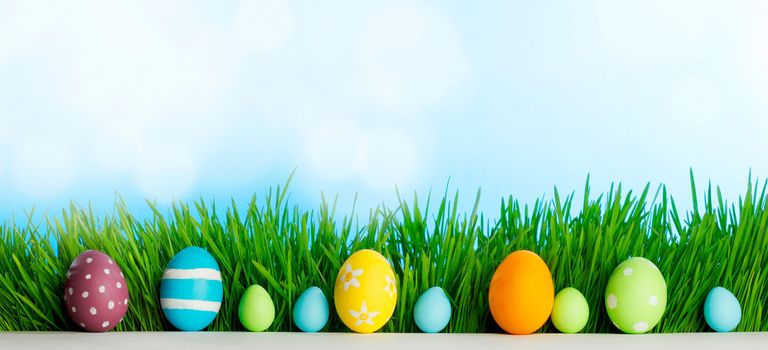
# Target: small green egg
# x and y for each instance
(636, 296)
(256, 311)
(570, 312)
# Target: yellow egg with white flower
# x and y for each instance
(365, 293)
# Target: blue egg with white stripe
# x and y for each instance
(191, 290)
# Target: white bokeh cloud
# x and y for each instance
(289, 101)
(755, 69)
(143, 89)
(43, 166)
(152, 94)
(3, 131)
(115, 145)
(652, 30)
(17, 31)
(378, 157)
(332, 150)
(144, 71)
(693, 101)
(263, 26)
(124, 76)
(411, 57)
(348, 104)
(389, 157)
(166, 171)
(3, 122)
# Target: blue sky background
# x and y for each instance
(190, 99)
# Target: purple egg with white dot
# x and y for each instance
(95, 292)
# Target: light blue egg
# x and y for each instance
(310, 313)
(432, 311)
(191, 289)
(722, 310)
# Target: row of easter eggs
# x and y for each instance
(521, 296)
(191, 291)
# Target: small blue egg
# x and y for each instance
(310, 313)
(432, 311)
(722, 310)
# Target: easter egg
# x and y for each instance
(570, 312)
(521, 293)
(636, 296)
(191, 289)
(432, 310)
(95, 292)
(310, 312)
(365, 293)
(722, 310)
(256, 310)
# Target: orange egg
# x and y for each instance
(521, 293)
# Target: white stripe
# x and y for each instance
(185, 304)
(192, 274)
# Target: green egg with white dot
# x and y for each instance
(636, 296)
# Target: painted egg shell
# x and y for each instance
(432, 311)
(191, 289)
(521, 293)
(310, 312)
(722, 310)
(636, 296)
(256, 310)
(365, 293)
(570, 311)
(95, 292)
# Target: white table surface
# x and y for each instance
(285, 341)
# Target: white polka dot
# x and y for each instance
(653, 300)
(106, 271)
(119, 285)
(85, 294)
(74, 309)
(105, 324)
(612, 301)
(88, 276)
(93, 310)
(82, 324)
(640, 327)
(69, 274)
(71, 291)
(111, 305)
(121, 274)
(110, 261)
(628, 271)
(89, 260)
(125, 301)
(102, 289)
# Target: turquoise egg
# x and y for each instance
(722, 310)
(191, 290)
(310, 313)
(432, 311)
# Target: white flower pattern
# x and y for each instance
(390, 287)
(364, 316)
(348, 277)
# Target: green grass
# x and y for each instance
(287, 249)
